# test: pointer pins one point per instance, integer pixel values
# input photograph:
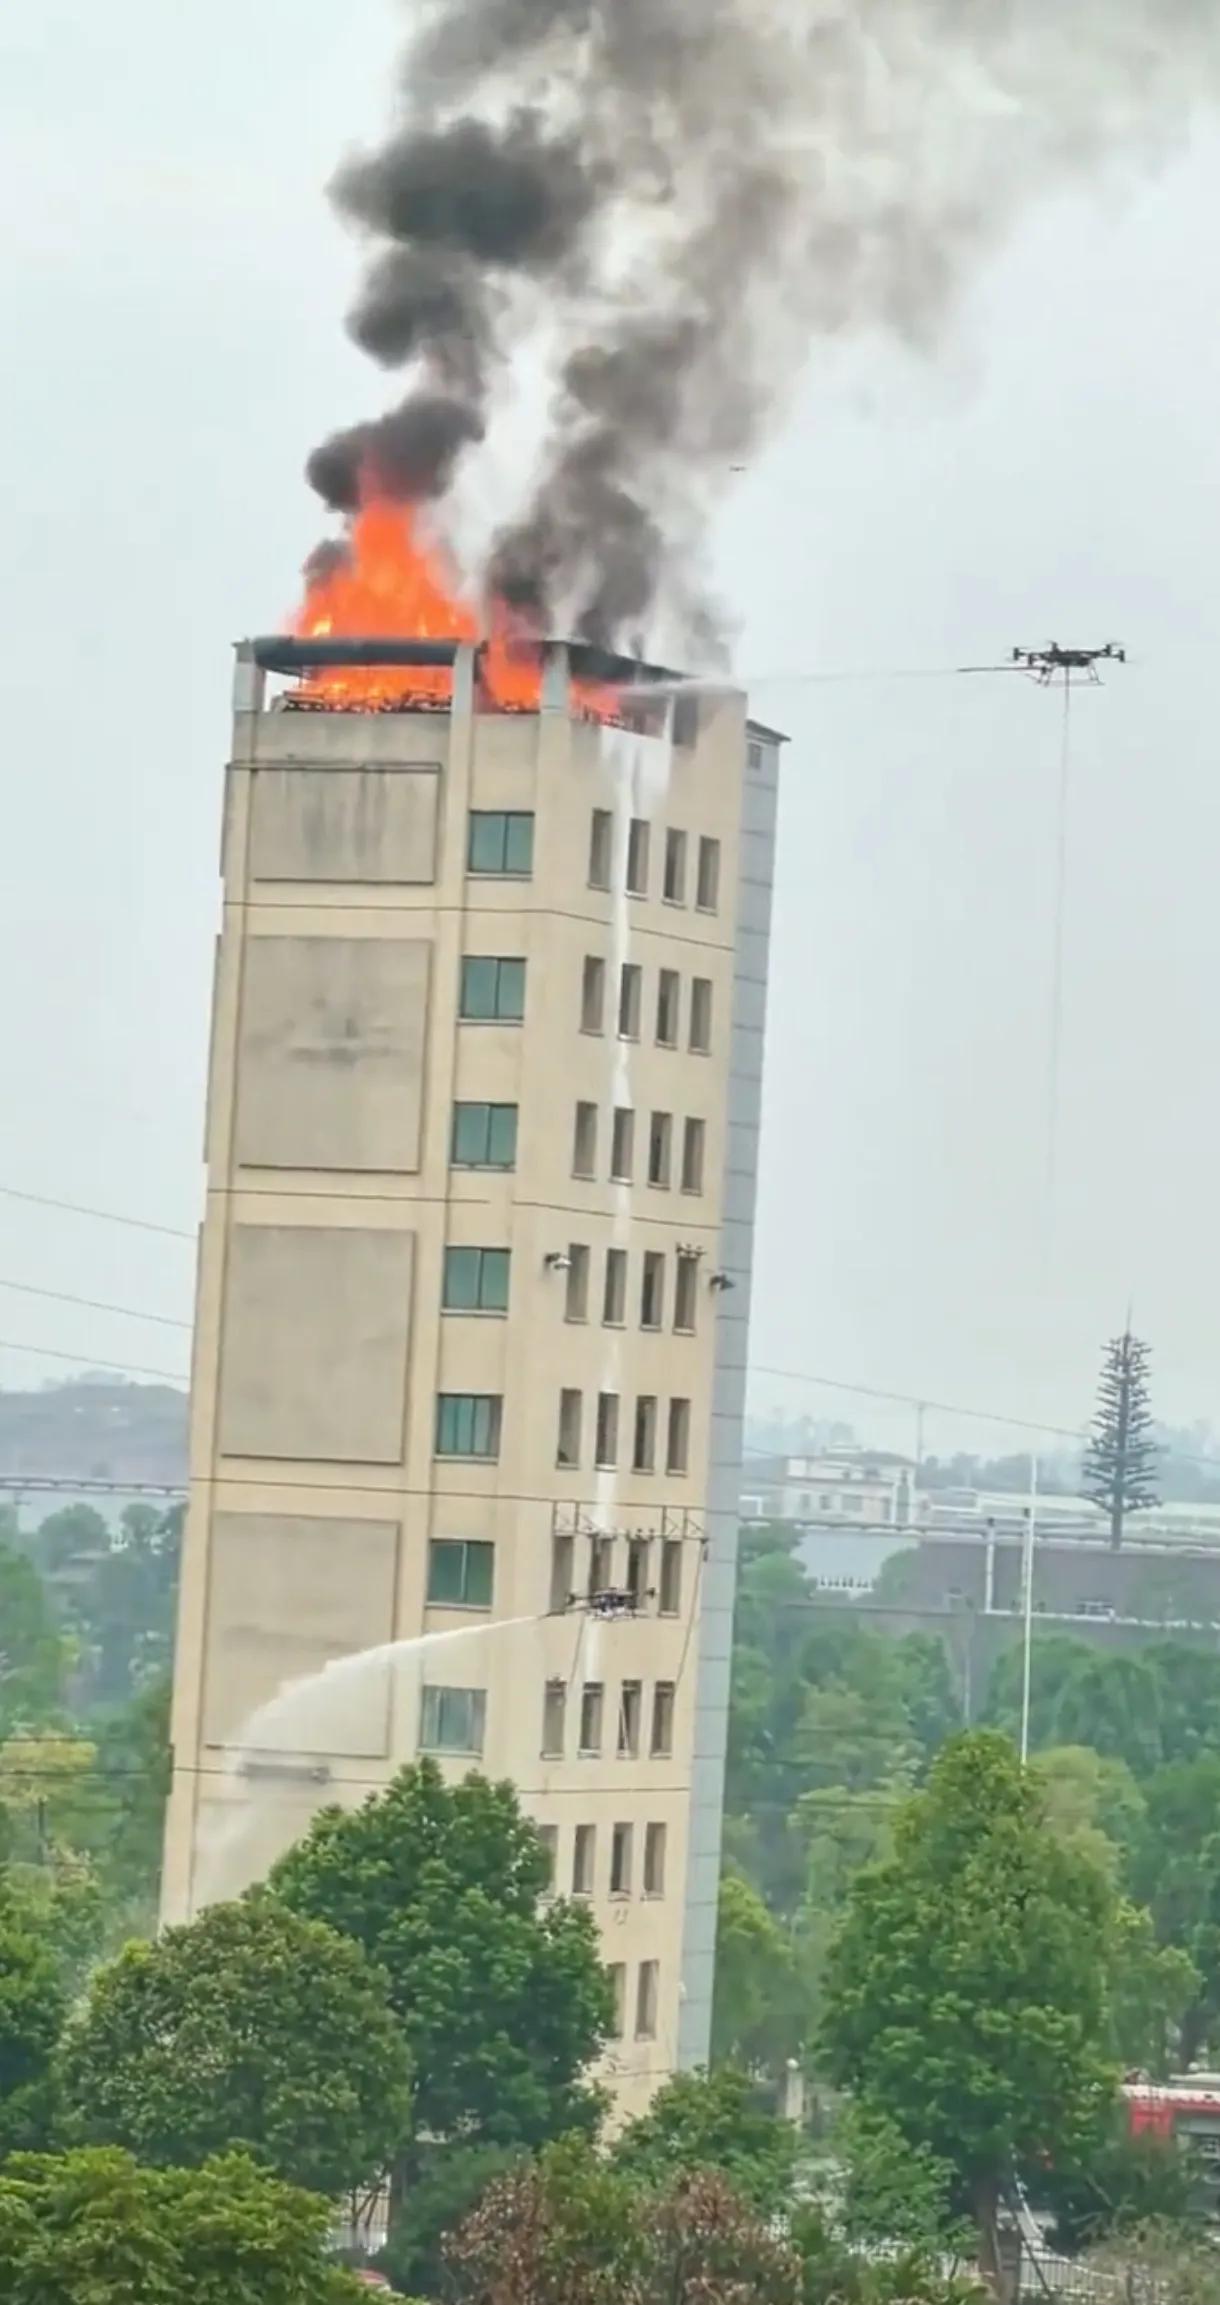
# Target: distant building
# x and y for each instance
(861, 1488)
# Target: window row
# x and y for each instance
(652, 1571)
(658, 1160)
(454, 1720)
(611, 1436)
(595, 1730)
(654, 1288)
(680, 849)
(668, 1020)
(637, 1863)
(469, 1425)
(462, 1572)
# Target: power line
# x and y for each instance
(87, 1361)
(921, 1401)
(93, 1304)
(103, 1216)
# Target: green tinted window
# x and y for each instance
(501, 842)
(484, 1136)
(492, 990)
(460, 1573)
(502, 1136)
(468, 1425)
(476, 1281)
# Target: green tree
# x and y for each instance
(95, 2228)
(712, 2121)
(1120, 1462)
(32, 1655)
(1124, 2184)
(250, 2028)
(32, 2012)
(1093, 1804)
(1151, 1989)
(965, 1991)
(758, 2020)
(504, 2003)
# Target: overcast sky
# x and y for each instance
(173, 289)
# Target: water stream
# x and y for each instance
(314, 1741)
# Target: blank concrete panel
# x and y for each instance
(372, 825)
(330, 1057)
(287, 1597)
(313, 1358)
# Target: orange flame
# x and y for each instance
(393, 586)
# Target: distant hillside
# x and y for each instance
(95, 1429)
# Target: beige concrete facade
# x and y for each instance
(368, 1465)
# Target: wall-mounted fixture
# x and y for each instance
(557, 1262)
(721, 1281)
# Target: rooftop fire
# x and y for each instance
(384, 583)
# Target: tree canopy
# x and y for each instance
(966, 1988)
(250, 2028)
(502, 1999)
(95, 2228)
(712, 2121)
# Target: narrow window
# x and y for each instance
(593, 995)
(620, 1861)
(476, 1281)
(501, 843)
(607, 1432)
(686, 720)
(669, 1002)
(601, 1565)
(591, 1700)
(694, 1137)
(675, 867)
(670, 1601)
(468, 1425)
(584, 1141)
(677, 1447)
(701, 1015)
(707, 882)
(614, 1304)
(652, 1290)
(561, 1572)
(549, 1837)
(484, 1136)
(493, 991)
(644, 1448)
(663, 1721)
(554, 1716)
(646, 1993)
(452, 1720)
(576, 1303)
(660, 1148)
(601, 841)
(584, 1851)
(629, 993)
(629, 1720)
(460, 1573)
(617, 1973)
(568, 1450)
(638, 1549)
(654, 1860)
(638, 841)
(622, 1145)
(686, 1294)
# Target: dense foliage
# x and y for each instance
(94, 2228)
(503, 2001)
(249, 2029)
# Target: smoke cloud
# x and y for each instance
(705, 188)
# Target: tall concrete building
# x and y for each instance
(474, 1284)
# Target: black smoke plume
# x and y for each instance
(704, 189)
